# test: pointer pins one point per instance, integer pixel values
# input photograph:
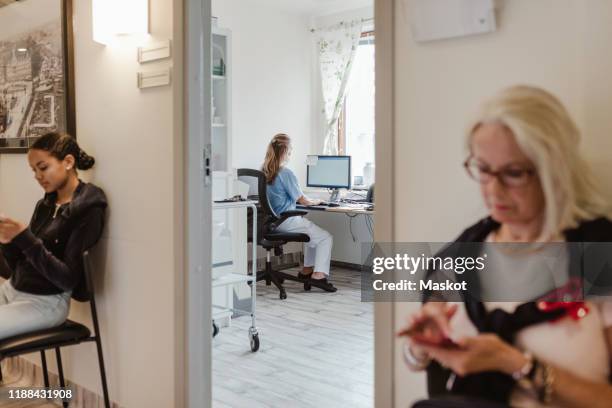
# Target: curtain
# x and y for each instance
(336, 46)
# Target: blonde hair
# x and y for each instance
(275, 155)
(546, 133)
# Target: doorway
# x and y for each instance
(267, 79)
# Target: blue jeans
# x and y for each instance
(22, 312)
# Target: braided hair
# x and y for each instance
(60, 145)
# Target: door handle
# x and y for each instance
(206, 160)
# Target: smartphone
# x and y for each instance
(446, 342)
(414, 333)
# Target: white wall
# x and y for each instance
(271, 84)
(562, 46)
(133, 135)
(596, 91)
(276, 87)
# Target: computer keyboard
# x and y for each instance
(325, 204)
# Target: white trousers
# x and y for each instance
(22, 312)
(317, 252)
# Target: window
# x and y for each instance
(356, 124)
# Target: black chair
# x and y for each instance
(267, 235)
(67, 334)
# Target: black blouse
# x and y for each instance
(46, 258)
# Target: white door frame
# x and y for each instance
(198, 199)
(384, 390)
(198, 364)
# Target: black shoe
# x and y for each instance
(306, 279)
(323, 284)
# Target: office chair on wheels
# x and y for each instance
(267, 235)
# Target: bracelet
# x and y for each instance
(526, 371)
(538, 381)
(412, 361)
(546, 389)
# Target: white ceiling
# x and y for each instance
(316, 7)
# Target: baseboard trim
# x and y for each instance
(347, 265)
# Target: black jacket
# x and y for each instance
(492, 385)
(46, 258)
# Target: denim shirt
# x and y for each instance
(284, 191)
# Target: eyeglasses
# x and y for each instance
(512, 176)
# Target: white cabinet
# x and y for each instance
(221, 127)
(222, 101)
(225, 240)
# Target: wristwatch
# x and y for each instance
(526, 369)
(412, 361)
(537, 378)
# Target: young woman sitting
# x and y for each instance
(43, 260)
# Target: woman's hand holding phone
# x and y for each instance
(428, 333)
(430, 326)
(9, 229)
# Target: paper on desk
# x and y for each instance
(244, 189)
(312, 160)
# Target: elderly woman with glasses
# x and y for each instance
(523, 151)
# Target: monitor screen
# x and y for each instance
(329, 171)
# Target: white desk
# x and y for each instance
(343, 208)
(351, 228)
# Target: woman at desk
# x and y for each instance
(283, 193)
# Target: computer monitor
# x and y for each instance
(329, 172)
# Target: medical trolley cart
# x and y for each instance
(236, 278)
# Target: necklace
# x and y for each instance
(57, 207)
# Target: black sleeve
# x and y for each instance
(66, 273)
(9, 255)
(5, 269)
(12, 253)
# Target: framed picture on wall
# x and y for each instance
(36, 71)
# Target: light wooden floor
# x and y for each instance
(13, 381)
(316, 350)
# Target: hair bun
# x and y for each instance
(85, 161)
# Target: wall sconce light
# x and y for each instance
(119, 17)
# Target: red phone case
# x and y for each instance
(446, 342)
